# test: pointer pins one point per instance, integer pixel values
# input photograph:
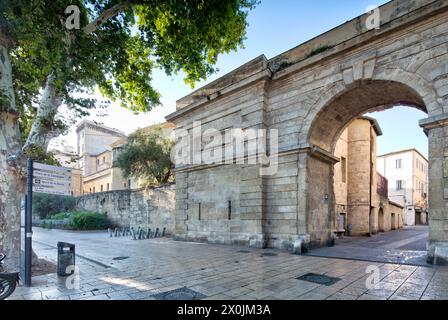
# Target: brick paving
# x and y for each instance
(218, 272)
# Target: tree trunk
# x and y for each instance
(43, 128)
(12, 183)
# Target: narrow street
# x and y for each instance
(404, 246)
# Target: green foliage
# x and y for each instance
(146, 155)
(47, 225)
(119, 56)
(39, 155)
(46, 205)
(61, 216)
(88, 220)
(318, 50)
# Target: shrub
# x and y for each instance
(46, 205)
(61, 216)
(88, 220)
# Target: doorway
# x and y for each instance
(381, 220)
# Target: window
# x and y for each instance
(129, 184)
(98, 161)
(107, 187)
(399, 185)
(90, 190)
(344, 169)
(104, 159)
(93, 189)
(101, 188)
(398, 163)
(124, 185)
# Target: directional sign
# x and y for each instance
(52, 179)
(52, 169)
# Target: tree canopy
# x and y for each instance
(115, 50)
(146, 155)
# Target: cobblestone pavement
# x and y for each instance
(219, 272)
(404, 246)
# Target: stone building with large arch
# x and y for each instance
(309, 95)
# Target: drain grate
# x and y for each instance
(179, 294)
(120, 258)
(319, 279)
(268, 254)
(244, 251)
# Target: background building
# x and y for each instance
(100, 147)
(407, 173)
(93, 141)
(362, 204)
(67, 157)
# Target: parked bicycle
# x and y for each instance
(8, 281)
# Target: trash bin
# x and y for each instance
(66, 257)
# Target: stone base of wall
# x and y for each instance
(282, 241)
(437, 252)
(240, 239)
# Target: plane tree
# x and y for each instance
(54, 55)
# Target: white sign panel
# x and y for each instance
(46, 167)
(52, 179)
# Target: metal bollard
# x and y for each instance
(134, 237)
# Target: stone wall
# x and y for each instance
(147, 208)
(309, 95)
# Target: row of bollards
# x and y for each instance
(139, 234)
(119, 232)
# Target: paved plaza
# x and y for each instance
(125, 269)
(403, 246)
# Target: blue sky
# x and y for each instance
(274, 27)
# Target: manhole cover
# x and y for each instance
(180, 294)
(268, 254)
(120, 258)
(319, 279)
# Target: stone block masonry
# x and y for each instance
(146, 208)
(309, 95)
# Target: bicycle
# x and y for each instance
(8, 281)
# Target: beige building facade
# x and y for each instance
(67, 157)
(309, 95)
(101, 173)
(361, 202)
(407, 173)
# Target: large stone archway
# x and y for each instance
(307, 96)
(358, 98)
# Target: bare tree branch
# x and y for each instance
(42, 130)
(106, 15)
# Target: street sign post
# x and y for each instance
(23, 259)
(41, 178)
(28, 225)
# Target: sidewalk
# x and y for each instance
(144, 268)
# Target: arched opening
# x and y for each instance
(381, 220)
(364, 211)
(393, 221)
